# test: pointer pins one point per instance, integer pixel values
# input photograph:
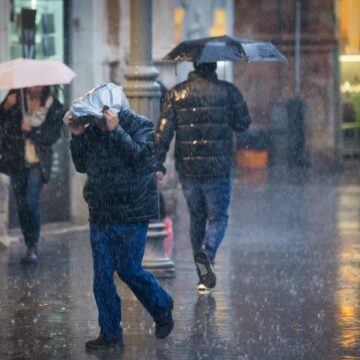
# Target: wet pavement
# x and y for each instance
(288, 283)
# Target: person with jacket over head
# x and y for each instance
(26, 153)
(117, 154)
(203, 112)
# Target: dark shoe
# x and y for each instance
(205, 270)
(164, 325)
(30, 256)
(102, 342)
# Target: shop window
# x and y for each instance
(47, 19)
(350, 74)
(195, 19)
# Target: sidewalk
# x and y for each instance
(288, 284)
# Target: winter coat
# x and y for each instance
(203, 112)
(120, 167)
(12, 138)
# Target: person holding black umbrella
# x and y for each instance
(203, 112)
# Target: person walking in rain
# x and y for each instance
(26, 149)
(117, 154)
(203, 112)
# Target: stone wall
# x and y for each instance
(265, 85)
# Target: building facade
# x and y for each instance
(327, 31)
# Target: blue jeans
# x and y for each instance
(27, 185)
(208, 202)
(121, 248)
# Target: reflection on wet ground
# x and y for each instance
(289, 284)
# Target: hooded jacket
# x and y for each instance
(203, 112)
(12, 138)
(120, 167)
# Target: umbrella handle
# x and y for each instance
(22, 98)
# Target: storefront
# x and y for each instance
(350, 75)
(40, 22)
(37, 31)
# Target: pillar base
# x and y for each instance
(155, 259)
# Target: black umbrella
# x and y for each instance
(224, 48)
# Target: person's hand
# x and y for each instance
(112, 119)
(76, 129)
(10, 101)
(26, 125)
(159, 176)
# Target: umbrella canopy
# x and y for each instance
(225, 48)
(22, 73)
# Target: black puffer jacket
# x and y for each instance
(120, 167)
(12, 138)
(203, 112)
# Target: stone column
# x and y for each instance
(144, 96)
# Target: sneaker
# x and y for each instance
(205, 270)
(103, 342)
(30, 256)
(203, 289)
(165, 324)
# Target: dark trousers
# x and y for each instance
(208, 202)
(120, 249)
(27, 185)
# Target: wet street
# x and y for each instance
(288, 283)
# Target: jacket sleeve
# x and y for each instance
(164, 131)
(139, 144)
(241, 118)
(50, 130)
(79, 152)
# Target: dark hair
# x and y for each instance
(46, 91)
(205, 68)
(11, 92)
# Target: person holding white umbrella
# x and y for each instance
(26, 147)
(30, 123)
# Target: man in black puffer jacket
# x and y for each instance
(118, 157)
(203, 112)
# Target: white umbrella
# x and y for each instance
(22, 73)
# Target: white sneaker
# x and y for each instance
(203, 289)
(206, 273)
